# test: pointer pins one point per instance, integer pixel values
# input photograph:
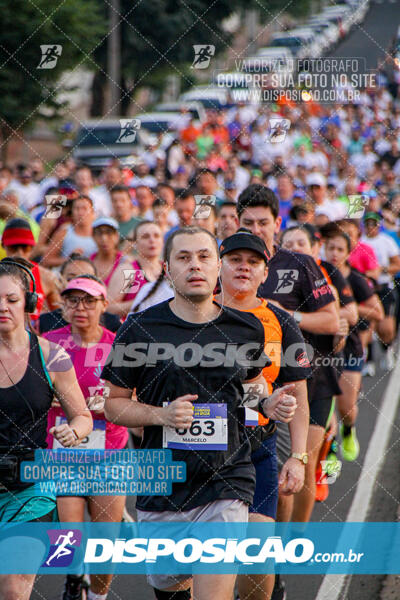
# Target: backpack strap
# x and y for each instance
(46, 372)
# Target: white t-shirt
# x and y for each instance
(385, 248)
(163, 292)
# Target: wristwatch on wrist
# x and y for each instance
(301, 456)
(297, 316)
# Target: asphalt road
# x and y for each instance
(369, 40)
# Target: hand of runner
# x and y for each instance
(96, 403)
(281, 406)
(64, 435)
(179, 413)
(291, 479)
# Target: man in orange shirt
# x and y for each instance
(244, 268)
(189, 136)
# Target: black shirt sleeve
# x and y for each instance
(257, 355)
(344, 290)
(118, 370)
(362, 287)
(316, 290)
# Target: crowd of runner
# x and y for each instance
(228, 237)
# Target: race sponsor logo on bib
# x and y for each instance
(208, 431)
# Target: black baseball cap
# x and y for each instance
(243, 239)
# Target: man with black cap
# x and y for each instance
(18, 242)
(173, 388)
(244, 267)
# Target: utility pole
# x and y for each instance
(114, 59)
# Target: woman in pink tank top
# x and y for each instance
(148, 243)
(108, 258)
(88, 344)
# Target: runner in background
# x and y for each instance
(18, 242)
(387, 253)
(327, 358)
(127, 280)
(337, 250)
(244, 268)
(296, 284)
(73, 267)
(27, 390)
(108, 258)
(86, 342)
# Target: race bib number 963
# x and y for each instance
(208, 431)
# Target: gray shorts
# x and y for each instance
(218, 511)
(283, 443)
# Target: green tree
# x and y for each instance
(157, 38)
(28, 93)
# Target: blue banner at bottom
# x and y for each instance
(164, 548)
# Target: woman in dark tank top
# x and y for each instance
(31, 371)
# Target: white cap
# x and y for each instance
(316, 179)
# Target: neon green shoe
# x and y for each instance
(350, 447)
(333, 467)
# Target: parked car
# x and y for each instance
(209, 96)
(97, 143)
(327, 29)
(314, 42)
(298, 45)
(195, 109)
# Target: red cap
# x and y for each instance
(17, 236)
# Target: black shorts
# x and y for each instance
(320, 407)
(321, 388)
(388, 299)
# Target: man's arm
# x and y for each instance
(324, 321)
(371, 309)
(350, 313)
(120, 409)
(291, 478)
(298, 426)
(394, 265)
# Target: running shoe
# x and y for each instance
(333, 466)
(279, 591)
(321, 487)
(75, 588)
(350, 447)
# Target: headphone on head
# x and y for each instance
(31, 298)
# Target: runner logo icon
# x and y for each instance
(61, 552)
(202, 55)
(278, 130)
(54, 205)
(287, 279)
(129, 129)
(50, 55)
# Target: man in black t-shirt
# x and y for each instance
(197, 356)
